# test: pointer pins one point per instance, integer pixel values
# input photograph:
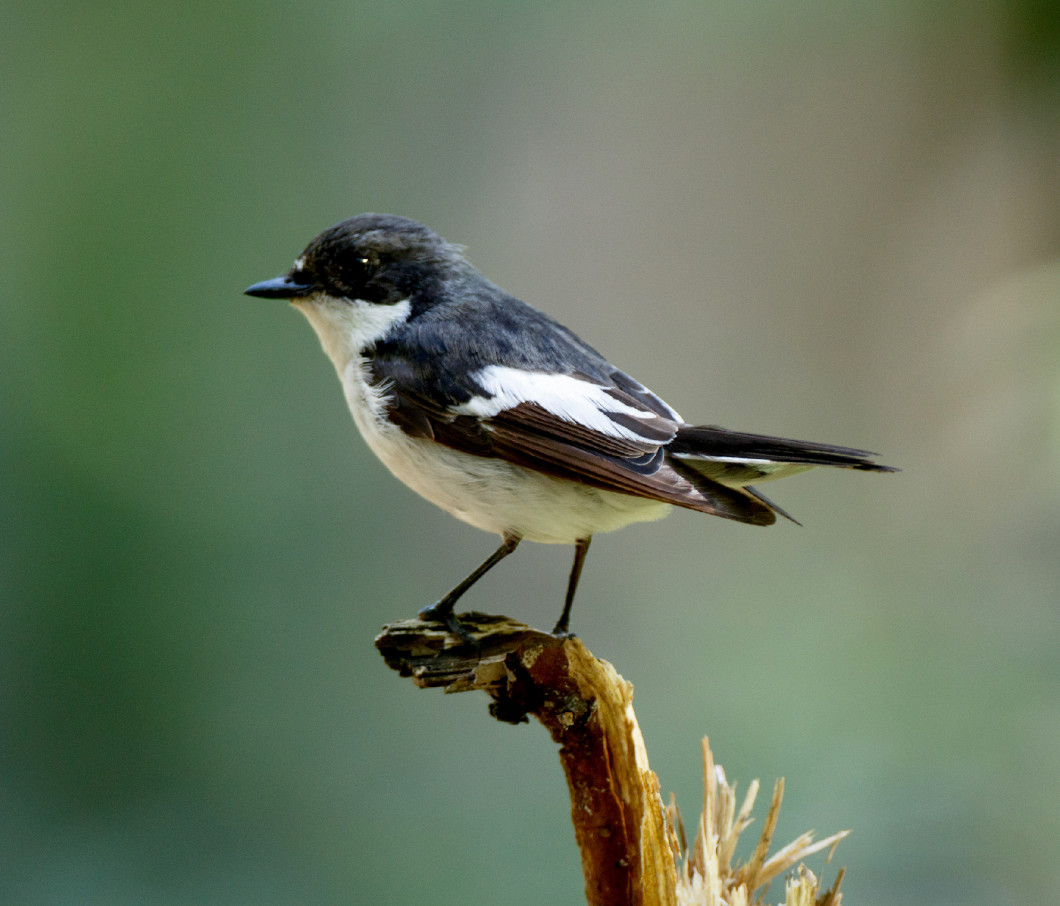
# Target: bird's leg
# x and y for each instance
(581, 548)
(442, 611)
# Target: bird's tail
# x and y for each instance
(736, 459)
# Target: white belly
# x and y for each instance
(489, 493)
(498, 496)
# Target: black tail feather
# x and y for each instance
(779, 510)
(711, 441)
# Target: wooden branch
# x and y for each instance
(627, 847)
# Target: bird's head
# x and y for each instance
(376, 258)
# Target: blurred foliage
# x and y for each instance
(1033, 27)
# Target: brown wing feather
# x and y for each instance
(531, 436)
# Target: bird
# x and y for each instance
(503, 417)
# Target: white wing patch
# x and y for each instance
(569, 398)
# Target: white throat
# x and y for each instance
(346, 327)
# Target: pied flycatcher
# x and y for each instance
(502, 416)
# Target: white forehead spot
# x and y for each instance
(299, 262)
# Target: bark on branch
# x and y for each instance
(627, 848)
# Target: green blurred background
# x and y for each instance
(837, 221)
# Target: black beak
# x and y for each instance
(280, 288)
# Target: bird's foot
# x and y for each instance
(560, 631)
(442, 612)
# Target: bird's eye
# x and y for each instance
(351, 275)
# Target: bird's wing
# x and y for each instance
(610, 434)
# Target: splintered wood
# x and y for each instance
(633, 847)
